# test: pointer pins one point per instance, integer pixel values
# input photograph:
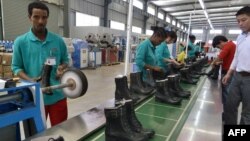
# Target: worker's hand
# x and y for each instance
(59, 71)
(158, 69)
(225, 79)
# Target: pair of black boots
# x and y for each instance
(123, 125)
(169, 90)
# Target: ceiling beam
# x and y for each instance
(181, 4)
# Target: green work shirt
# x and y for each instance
(145, 54)
(191, 52)
(30, 54)
(161, 53)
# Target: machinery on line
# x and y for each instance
(22, 101)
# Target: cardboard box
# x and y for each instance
(6, 59)
(6, 69)
(1, 69)
(7, 75)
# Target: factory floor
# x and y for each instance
(203, 122)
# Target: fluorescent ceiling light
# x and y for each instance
(205, 12)
(230, 9)
(202, 4)
(211, 26)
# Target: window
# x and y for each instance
(197, 31)
(138, 4)
(86, 20)
(117, 25)
(151, 10)
(235, 31)
(136, 29)
(173, 22)
(217, 31)
(149, 32)
(168, 19)
(178, 24)
(160, 16)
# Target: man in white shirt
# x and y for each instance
(239, 90)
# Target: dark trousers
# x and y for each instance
(239, 91)
(224, 88)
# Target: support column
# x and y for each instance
(66, 15)
(145, 19)
(106, 13)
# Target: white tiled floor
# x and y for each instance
(204, 122)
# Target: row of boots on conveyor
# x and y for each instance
(121, 121)
(191, 72)
(167, 91)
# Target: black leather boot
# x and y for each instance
(149, 82)
(135, 123)
(178, 86)
(174, 69)
(45, 78)
(118, 127)
(173, 88)
(192, 71)
(122, 90)
(185, 77)
(216, 70)
(136, 84)
(163, 94)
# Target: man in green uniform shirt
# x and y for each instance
(32, 50)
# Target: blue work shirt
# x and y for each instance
(30, 54)
(191, 51)
(145, 54)
(162, 52)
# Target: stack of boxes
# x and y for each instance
(5, 65)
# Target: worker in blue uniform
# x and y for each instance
(163, 53)
(145, 52)
(191, 46)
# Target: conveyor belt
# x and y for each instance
(167, 120)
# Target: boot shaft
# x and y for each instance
(46, 71)
(136, 79)
(132, 119)
(150, 80)
(136, 84)
(121, 90)
(118, 126)
(116, 120)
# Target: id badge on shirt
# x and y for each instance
(51, 61)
